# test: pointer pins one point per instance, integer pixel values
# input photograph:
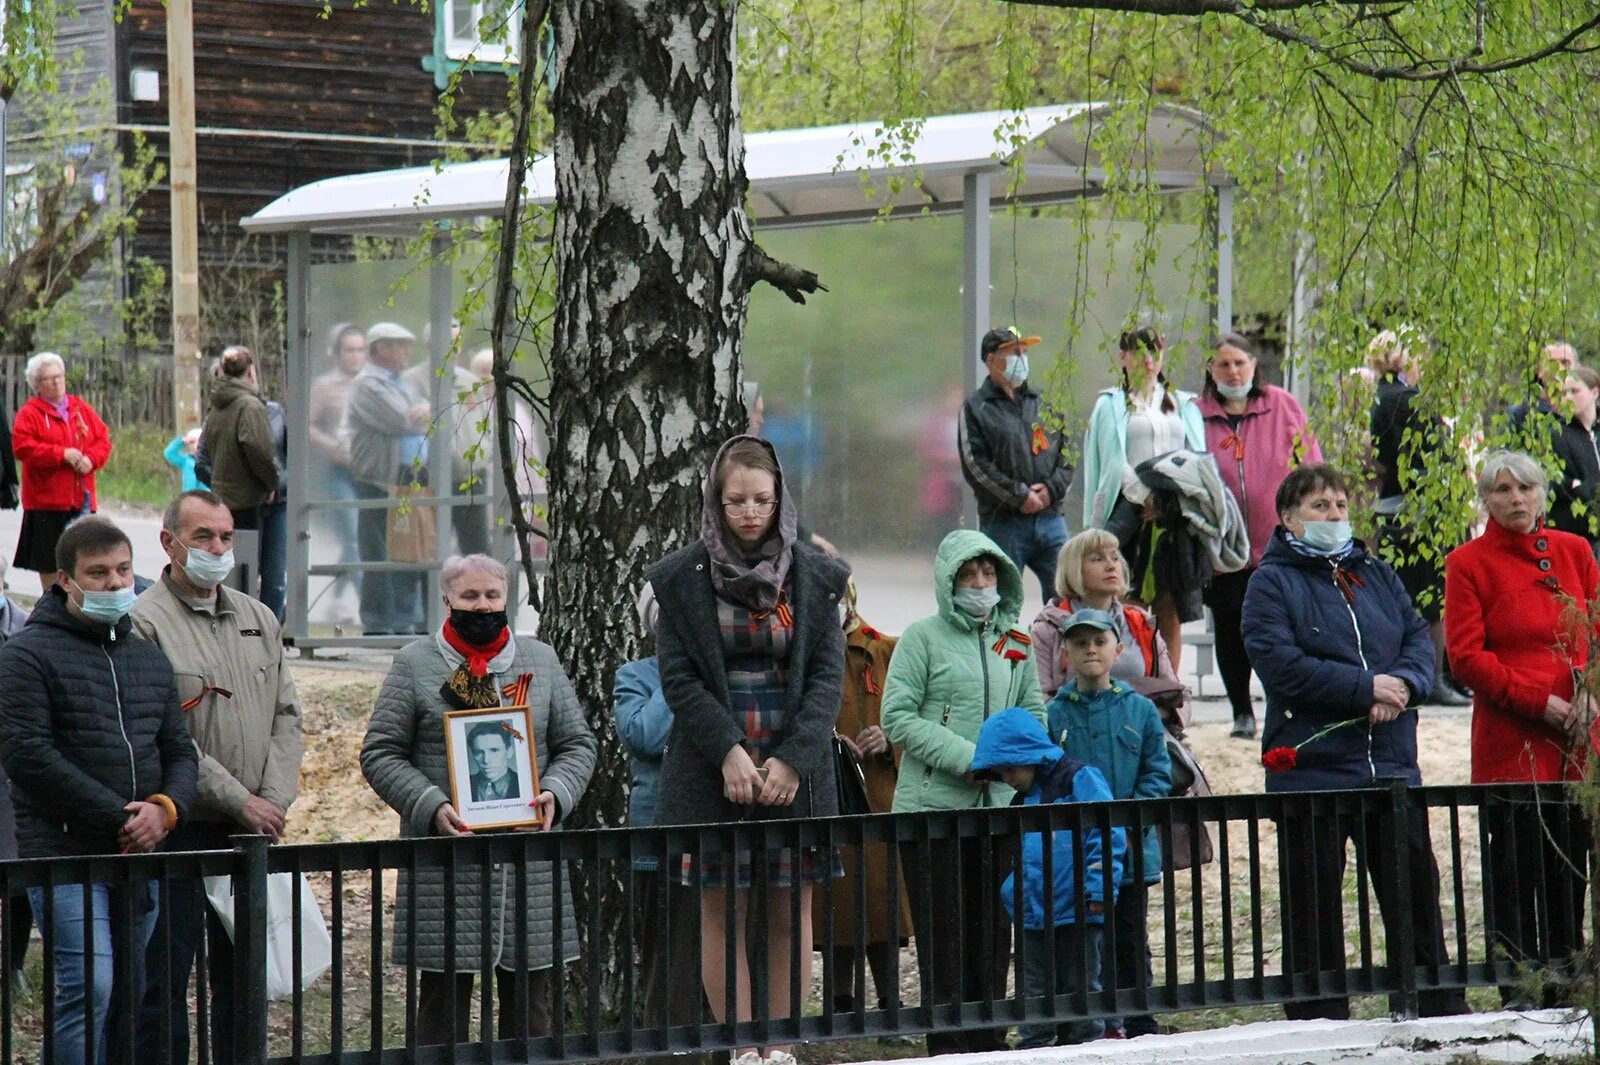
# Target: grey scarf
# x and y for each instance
(755, 583)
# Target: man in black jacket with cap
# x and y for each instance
(1016, 464)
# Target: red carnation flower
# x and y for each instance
(1280, 759)
(1015, 655)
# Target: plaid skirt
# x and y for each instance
(782, 870)
(755, 648)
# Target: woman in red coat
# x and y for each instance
(1504, 598)
(60, 442)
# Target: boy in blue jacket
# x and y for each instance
(1118, 731)
(1013, 747)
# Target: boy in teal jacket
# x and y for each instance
(1118, 731)
(1014, 747)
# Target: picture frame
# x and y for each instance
(493, 786)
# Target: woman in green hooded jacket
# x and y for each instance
(948, 674)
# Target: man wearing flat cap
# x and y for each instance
(388, 447)
(1015, 462)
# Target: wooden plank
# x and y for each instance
(185, 216)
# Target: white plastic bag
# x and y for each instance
(316, 946)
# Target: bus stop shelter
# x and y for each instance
(966, 165)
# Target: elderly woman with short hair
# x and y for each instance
(61, 442)
(1507, 597)
(475, 661)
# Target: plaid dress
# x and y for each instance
(755, 649)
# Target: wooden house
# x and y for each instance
(286, 92)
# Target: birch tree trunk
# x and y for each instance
(653, 261)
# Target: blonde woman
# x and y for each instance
(1091, 572)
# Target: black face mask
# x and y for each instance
(478, 627)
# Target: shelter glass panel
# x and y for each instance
(862, 387)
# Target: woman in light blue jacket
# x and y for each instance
(1144, 418)
(669, 957)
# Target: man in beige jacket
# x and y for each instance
(241, 708)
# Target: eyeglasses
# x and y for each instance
(760, 510)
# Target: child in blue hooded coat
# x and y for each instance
(1013, 747)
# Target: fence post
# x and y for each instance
(250, 950)
(1400, 931)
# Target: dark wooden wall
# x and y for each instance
(276, 65)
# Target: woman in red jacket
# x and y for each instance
(60, 442)
(1504, 598)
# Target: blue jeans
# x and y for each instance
(1036, 980)
(390, 602)
(182, 925)
(69, 938)
(343, 523)
(1031, 541)
(274, 556)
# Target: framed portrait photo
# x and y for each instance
(494, 773)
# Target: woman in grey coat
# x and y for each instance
(752, 658)
(475, 661)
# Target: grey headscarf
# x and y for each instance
(752, 584)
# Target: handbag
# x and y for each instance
(1182, 847)
(413, 531)
(848, 778)
(316, 946)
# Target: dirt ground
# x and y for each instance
(335, 802)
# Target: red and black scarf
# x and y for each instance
(471, 687)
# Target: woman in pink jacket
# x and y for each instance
(1257, 432)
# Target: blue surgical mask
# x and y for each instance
(1330, 537)
(108, 608)
(1016, 370)
(975, 602)
(206, 570)
(1235, 391)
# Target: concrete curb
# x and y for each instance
(1492, 1037)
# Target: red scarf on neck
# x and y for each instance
(477, 657)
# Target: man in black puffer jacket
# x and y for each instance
(100, 761)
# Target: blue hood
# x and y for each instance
(1013, 737)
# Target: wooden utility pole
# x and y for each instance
(185, 216)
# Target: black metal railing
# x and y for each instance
(1225, 934)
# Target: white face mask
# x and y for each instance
(1016, 369)
(975, 602)
(1328, 536)
(106, 607)
(1236, 391)
(204, 569)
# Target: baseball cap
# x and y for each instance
(389, 331)
(1088, 618)
(1003, 340)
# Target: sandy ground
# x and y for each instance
(335, 803)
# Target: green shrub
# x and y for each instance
(137, 475)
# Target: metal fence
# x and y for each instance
(1218, 929)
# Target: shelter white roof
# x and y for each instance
(811, 176)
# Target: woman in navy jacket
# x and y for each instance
(1336, 641)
